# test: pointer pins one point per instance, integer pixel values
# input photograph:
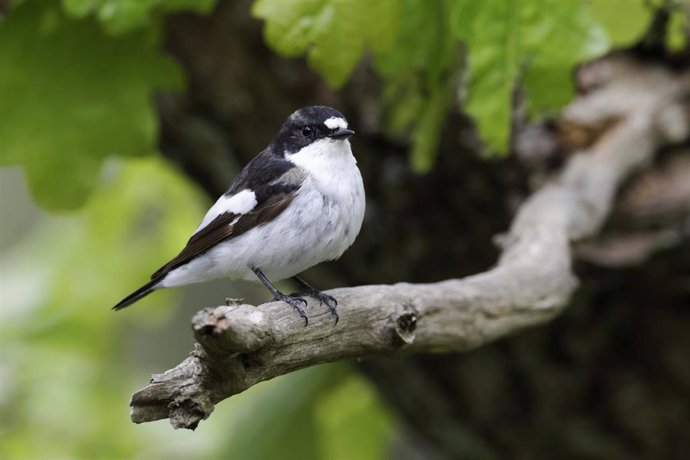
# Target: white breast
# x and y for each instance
(332, 166)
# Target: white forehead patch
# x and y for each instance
(335, 122)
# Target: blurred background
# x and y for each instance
(121, 121)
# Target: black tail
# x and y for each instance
(140, 293)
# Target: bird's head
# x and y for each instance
(312, 125)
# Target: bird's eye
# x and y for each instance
(306, 131)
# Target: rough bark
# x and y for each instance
(640, 106)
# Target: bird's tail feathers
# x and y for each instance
(140, 293)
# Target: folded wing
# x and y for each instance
(225, 226)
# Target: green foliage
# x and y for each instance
(325, 412)
(334, 34)
(503, 42)
(677, 38)
(542, 38)
(353, 424)
(71, 96)
(624, 20)
(417, 48)
(120, 16)
(627, 21)
(65, 373)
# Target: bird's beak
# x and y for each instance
(341, 133)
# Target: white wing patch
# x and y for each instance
(239, 203)
(335, 122)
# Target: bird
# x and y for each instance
(298, 203)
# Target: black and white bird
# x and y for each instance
(297, 203)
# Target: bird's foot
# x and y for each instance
(329, 300)
(294, 301)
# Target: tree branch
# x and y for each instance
(241, 345)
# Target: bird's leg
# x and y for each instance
(308, 290)
(292, 300)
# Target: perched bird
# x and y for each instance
(297, 203)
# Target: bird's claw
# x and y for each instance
(331, 303)
(329, 300)
(294, 302)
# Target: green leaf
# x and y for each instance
(624, 21)
(627, 29)
(422, 44)
(548, 77)
(492, 34)
(333, 34)
(677, 29)
(547, 37)
(71, 96)
(120, 16)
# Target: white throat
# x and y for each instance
(326, 160)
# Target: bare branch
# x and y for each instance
(241, 345)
